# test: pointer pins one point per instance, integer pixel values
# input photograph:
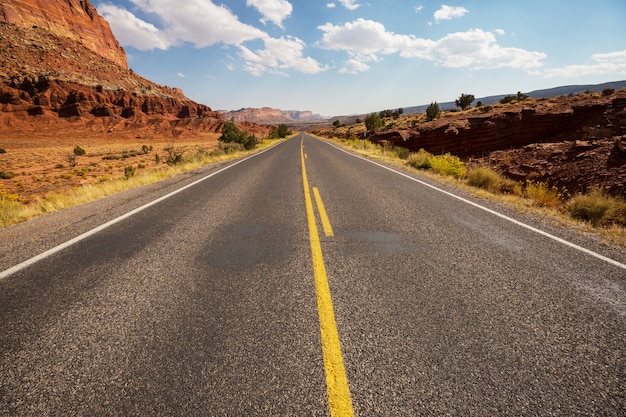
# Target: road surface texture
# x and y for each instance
(305, 281)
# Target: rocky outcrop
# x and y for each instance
(476, 135)
(51, 80)
(270, 116)
(574, 143)
(74, 19)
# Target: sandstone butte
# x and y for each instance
(73, 19)
(63, 70)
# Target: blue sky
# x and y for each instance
(337, 57)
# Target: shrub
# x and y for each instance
(373, 122)
(79, 151)
(544, 195)
(597, 208)
(449, 165)
(484, 178)
(174, 156)
(6, 175)
(232, 134)
(492, 181)
(2, 150)
(464, 101)
(420, 159)
(401, 153)
(432, 111)
(129, 172)
(608, 91)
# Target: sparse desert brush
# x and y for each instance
(401, 153)
(449, 165)
(490, 180)
(543, 195)
(419, 159)
(598, 208)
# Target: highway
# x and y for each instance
(306, 281)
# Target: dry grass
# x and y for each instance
(531, 198)
(101, 173)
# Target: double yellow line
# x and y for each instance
(339, 401)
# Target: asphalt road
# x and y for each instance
(210, 302)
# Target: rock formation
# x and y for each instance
(74, 19)
(267, 115)
(571, 142)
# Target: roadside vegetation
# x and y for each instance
(594, 208)
(173, 160)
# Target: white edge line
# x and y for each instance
(22, 265)
(495, 213)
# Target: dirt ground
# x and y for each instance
(36, 163)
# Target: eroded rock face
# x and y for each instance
(53, 80)
(267, 115)
(74, 19)
(478, 134)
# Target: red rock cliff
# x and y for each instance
(74, 19)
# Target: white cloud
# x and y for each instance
(279, 55)
(350, 4)
(418, 9)
(130, 30)
(202, 23)
(354, 66)
(365, 41)
(180, 74)
(449, 12)
(331, 5)
(500, 32)
(199, 22)
(605, 64)
(273, 10)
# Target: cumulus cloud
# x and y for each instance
(331, 5)
(449, 12)
(350, 4)
(202, 23)
(605, 64)
(273, 10)
(354, 66)
(366, 41)
(279, 55)
(130, 30)
(418, 9)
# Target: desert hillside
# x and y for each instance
(574, 142)
(65, 82)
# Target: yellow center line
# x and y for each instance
(339, 401)
(328, 228)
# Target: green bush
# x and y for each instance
(232, 134)
(449, 165)
(432, 111)
(2, 150)
(79, 151)
(373, 122)
(597, 208)
(6, 175)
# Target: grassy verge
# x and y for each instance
(590, 213)
(13, 211)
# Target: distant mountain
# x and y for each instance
(547, 93)
(267, 115)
